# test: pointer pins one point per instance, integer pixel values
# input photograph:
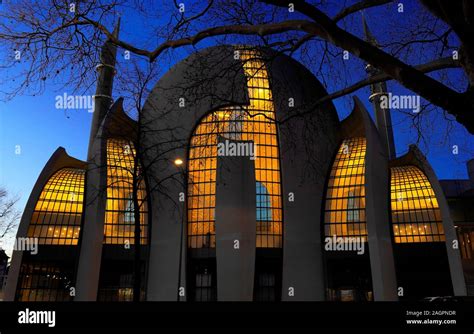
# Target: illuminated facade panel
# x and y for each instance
(119, 223)
(56, 219)
(344, 214)
(249, 123)
(416, 216)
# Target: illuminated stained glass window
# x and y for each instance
(119, 227)
(56, 219)
(415, 212)
(344, 214)
(249, 123)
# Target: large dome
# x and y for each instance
(213, 77)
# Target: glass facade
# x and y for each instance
(119, 226)
(56, 219)
(45, 281)
(119, 254)
(205, 284)
(56, 223)
(344, 214)
(416, 216)
(249, 123)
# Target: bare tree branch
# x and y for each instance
(8, 214)
(460, 105)
(357, 7)
(425, 68)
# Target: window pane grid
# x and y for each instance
(43, 281)
(344, 214)
(250, 123)
(415, 212)
(119, 225)
(56, 219)
(205, 283)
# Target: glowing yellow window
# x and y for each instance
(345, 196)
(56, 219)
(119, 227)
(248, 123)
(416, 216)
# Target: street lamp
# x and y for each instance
(179, 163)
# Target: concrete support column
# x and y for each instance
(377, 197)
(384, 281)
(95, 194)
(303, 275)
(167, 264)
(92, 234)
(302, 193)
(235, 227)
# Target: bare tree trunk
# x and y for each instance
(137, 234)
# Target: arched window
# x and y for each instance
(119, 226)
(55, 223)
(416, 216)
(249, 123)
(344, 214)
(56, 219)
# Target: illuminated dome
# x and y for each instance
(245, 95)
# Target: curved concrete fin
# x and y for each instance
(359, 122)
(117, 123)
(58, 160)
(415, 157)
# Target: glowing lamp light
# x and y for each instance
(178, 162)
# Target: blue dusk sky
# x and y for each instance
(32, 124)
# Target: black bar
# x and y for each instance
(289, 315)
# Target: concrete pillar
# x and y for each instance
(454, 255)
(95, 194)
(167, 264)
(306, 146)
(235, 227)
(303, 274)
(92, 234)
(377, 199)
